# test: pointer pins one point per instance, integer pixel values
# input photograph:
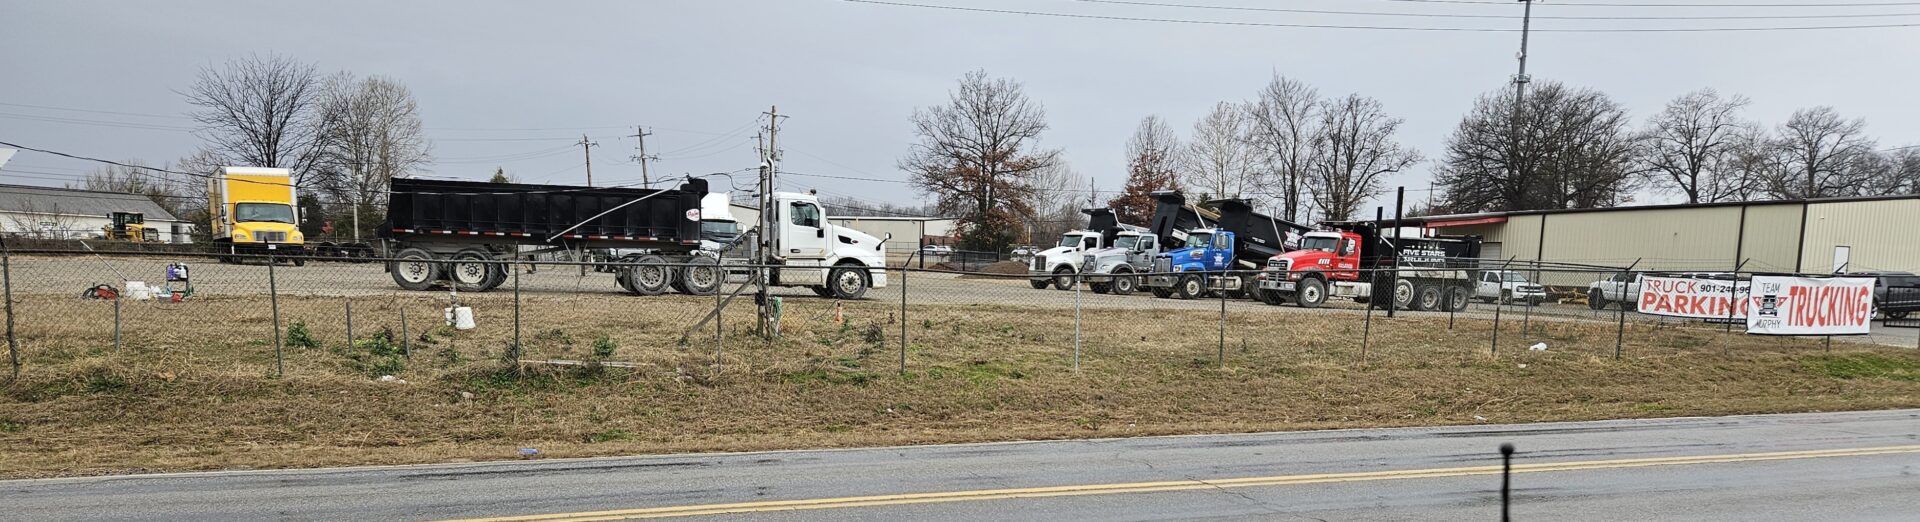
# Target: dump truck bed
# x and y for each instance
(420, 209)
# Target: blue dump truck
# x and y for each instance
(1218, 247)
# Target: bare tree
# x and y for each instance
(1568, 148)
(978, 156)
(1220, 161)
(1283, 119)
(1691, 147)
(165, 189)
(371, 133)
(1152, 155)
(1353, 149)
(1903, 172)
(1065, 192)
(260, 111)
(1820, 154)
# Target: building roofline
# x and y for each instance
(1670, 206)
(65, 189)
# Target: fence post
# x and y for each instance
(406, 350)
(1620, 333)
(719, 311)
(273, 294)
(6, 280)
(1076, 318)
(1733, 293)
(1526, 308)
(1366, 329)
(903, 313)
(116, 323)
(516, 315)
(349, 322)
(1494, 348)
(1223, 321)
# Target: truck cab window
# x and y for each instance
(1220, 242)
(1146, 243)
(262, 212)
(1346, 247)
(805, 214)
(1089, 242)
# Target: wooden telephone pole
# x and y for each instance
(640, 134)
(587, 147)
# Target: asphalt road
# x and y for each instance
(1826, 466)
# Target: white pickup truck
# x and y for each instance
(1508, 287)
(1623, 288)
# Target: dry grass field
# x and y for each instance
(194, 385)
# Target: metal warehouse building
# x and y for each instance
(1877, 233)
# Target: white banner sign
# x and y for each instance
(1810, 306)
(1694, 298)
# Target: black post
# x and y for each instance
(1620, 333)
(1733, 292)
(1399, 206)
(1223, 317)
(406, 350)
(116, 323)
(1497, 307)
(1366, 329)
(1506, 481)
(273, 293)
(903, 308)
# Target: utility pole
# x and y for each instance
(769, 168)
(1520, 90)
(587, 147)
(641, 134)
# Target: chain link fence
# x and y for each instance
(273, 316)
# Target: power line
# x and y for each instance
(100, 123)
(140, 114)
(1376, 27)
(1491, 16)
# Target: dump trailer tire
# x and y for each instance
(821, 291)
(1190, 286)
(468, 275)
(1403, 294)
(1430, 298)
(849, 282)
(414, 269)
(650, 275)
(1457, 299)
(1038, 284)
(1100, 288)
(1311, 293)
(1596, 300)
(701, 276)
(496, 277)
(1124, 283)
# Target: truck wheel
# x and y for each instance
(1190, 286)
(650, 275)
(848, 282)
(1596, 300)
(1039, 284)
(1063, 278)
(701, 276)
(1897, 315)
(1403, 294)
(469, 272)
(299, 261)
(1100, 288)
(1457, 299)
(1428, 298)
(1124, 283)
(414, 269)
(1311, 293)
(821, 291)
(1161, 292)
(496, 277)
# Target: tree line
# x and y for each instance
(1309, 157)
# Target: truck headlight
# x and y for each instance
(297, 236)
(239, 235)
(1178, 268)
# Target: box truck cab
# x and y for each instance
(253, 212)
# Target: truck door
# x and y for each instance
(1220, 255)
(802, 235)
(1489, 285)
(1143, 252)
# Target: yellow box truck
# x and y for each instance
(254, 212)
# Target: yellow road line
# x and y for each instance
(1175, 485)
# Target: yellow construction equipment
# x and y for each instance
(130, 226)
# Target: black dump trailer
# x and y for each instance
(1257, 236)
(449, 231)
(1378, 249)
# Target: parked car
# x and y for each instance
(1507, 287)
(1025, 251)
(936, 250)
(1895, 294)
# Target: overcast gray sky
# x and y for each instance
(699, 72)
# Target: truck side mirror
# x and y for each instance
(820, 232)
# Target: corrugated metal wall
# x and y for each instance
(1772, 238)
(1882, 235)
(1696, 239)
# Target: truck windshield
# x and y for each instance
(1515, 277)
(1126, 242)
(262, 212)
(1319, 243)
(719, 230)
(1070, 240)
(1199, 240)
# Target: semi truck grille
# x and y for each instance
(1039, 263)
(1281, 265)
(1162, 265)
(272, 237)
